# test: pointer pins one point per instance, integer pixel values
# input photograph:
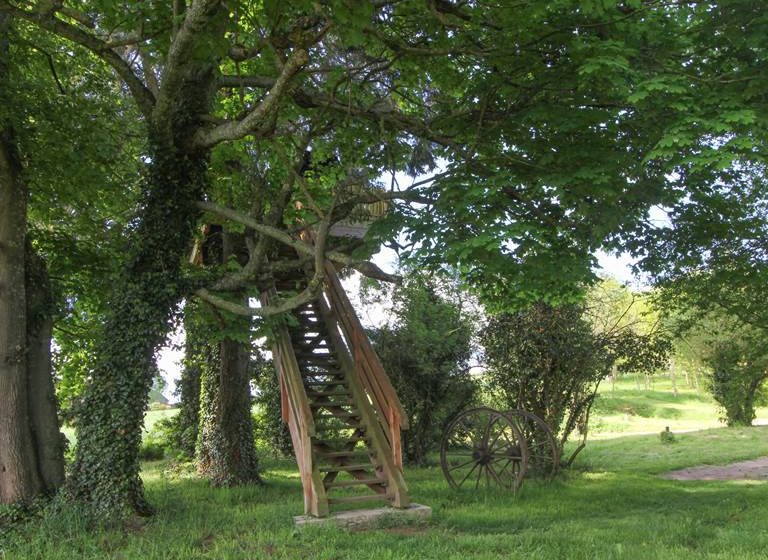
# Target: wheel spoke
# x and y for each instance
(468, 474)
(461, 465)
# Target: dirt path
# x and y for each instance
(756, 469)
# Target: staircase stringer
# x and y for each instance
(297, 413)
(397, 491)
(372, 375)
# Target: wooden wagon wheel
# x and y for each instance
(483, 447)
(543, 458)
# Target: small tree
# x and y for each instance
(739, 371)
(548, 361)
(425, 350)
(733, 355)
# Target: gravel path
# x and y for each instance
(756, 469)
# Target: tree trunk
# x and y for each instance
(226, 447)
(19, 480)
(43, 407)
(189, 385)
(225, 451)
(151, 284)
(238, 453)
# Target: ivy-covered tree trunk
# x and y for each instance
(106, 471)
(236, 461)
(189, 402)
(226, 449)
(149, 287)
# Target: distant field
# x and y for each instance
(625, 410)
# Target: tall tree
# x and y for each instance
(544, 114)
(31, 447)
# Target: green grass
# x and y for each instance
(625, 409)
(611, 505)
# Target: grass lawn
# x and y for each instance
(612, 504)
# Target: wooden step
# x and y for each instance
(322, 427)
(320, 383)
(333, 375)
(353, 499)
(337, 454)
(344, 468)
(353, 414)
(315, 394)
(356, 482)
(333, 404)
(317, 361)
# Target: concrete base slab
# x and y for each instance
(369, 518)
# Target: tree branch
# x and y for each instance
(283, 305)
(250, 124)
(364, 267)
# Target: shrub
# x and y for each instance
(425, 351)
(151, 451)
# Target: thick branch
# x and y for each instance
(262, 82)
(364, 267)
(182, 52)
(250, 124)
(283, 305)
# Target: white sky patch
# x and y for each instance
(169, 361)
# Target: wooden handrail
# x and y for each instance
(373, 377)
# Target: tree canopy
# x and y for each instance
(540, 132)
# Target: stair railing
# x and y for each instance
(370, 414)
(297, 413)
(373, 378)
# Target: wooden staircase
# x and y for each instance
(342, 411)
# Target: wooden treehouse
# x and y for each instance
(343, 413)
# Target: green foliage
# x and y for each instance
(732, 354)
(269, 428)
(151, 451)
(546, 360)
(739, 371)
(425, 350)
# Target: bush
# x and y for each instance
(151, 451)
(737, 380)
(548, 361)
(425, 351)
(269, 430)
